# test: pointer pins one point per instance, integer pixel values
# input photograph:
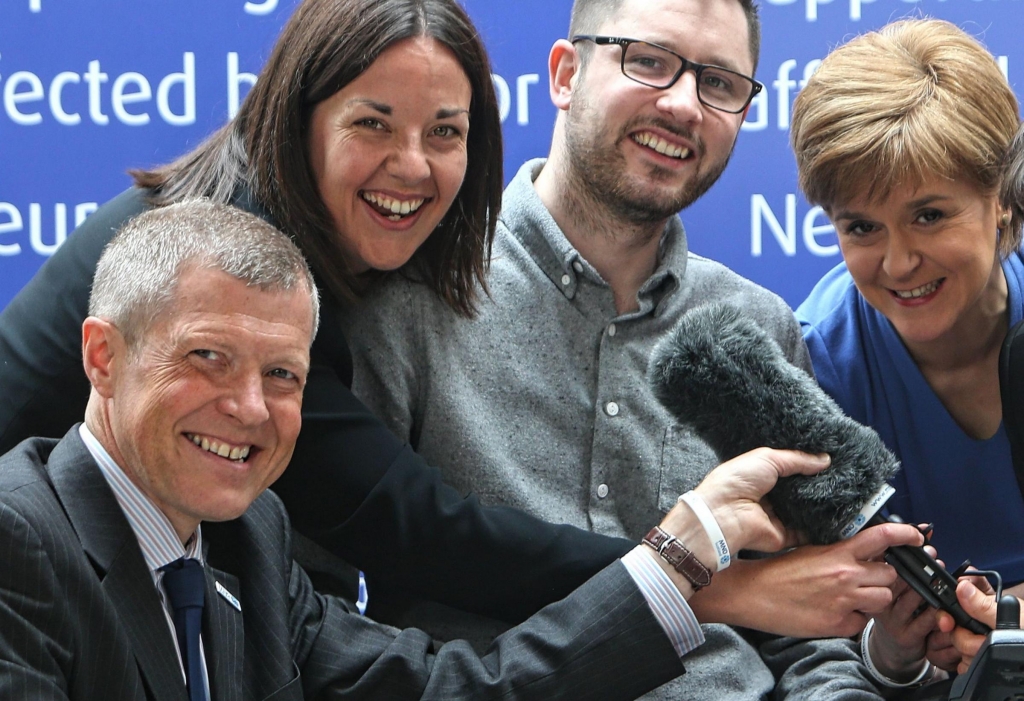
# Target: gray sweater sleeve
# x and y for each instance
(384, 335)
(825, 669)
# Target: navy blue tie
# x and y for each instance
(186, 589)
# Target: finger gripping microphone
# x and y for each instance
(723, 375)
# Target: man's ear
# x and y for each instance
(103, 352)
(563, 67)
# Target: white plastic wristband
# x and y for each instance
(711, 527)
(922, 677)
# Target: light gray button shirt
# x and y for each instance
(541, 402)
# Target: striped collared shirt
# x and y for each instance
(667, 604)
(157, 538)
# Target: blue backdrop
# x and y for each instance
(91, 89)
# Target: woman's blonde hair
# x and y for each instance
(1012, 190)
(916, 99)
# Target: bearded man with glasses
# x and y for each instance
(540, 401)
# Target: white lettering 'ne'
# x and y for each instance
(260, 8)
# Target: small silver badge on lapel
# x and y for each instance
(228, 596)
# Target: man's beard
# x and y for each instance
(599, 171)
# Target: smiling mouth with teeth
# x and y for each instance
(233, 453)
(918, 291)
(656, 143)
(393, 209)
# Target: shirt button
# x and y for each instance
(566, 280)
(611, 329)
(611, 408)
(577, 266)
(602, 491)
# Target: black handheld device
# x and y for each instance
(928, 578)
(997, 672)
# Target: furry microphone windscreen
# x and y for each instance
(723, 375)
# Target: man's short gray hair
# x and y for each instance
(137, 276)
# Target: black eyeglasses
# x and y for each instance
(658, 67)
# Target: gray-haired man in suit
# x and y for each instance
(142, 557)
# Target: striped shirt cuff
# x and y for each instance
(667, 604)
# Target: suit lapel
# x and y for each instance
(143, 617)
(111, 546)
(223, 636)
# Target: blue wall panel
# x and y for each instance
(89, 89)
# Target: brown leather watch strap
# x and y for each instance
(676, 554)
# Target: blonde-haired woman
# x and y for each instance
(900, 136)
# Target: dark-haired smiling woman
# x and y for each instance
(373, 139)
(900, 136)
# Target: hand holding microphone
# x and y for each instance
(812, 591)
(733, 493)
(723, 375)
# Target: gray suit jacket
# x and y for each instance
(80, 618)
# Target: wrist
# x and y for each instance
(914, 673)
(682, 584)
(727, 515)
(717, 603)
(712, 530)
(674, 552)
(682, 523)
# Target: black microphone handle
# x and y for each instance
(928, 578)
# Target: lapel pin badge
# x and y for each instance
(228, 596)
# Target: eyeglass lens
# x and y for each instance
(657, 67)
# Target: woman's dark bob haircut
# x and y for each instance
(324, 46)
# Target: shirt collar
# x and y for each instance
(157, 538)
(529, 221)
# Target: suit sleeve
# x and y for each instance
(601, 642)
(35, 649)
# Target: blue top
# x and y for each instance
(966, 487)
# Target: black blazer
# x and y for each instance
(80, 618)
(352, 486)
